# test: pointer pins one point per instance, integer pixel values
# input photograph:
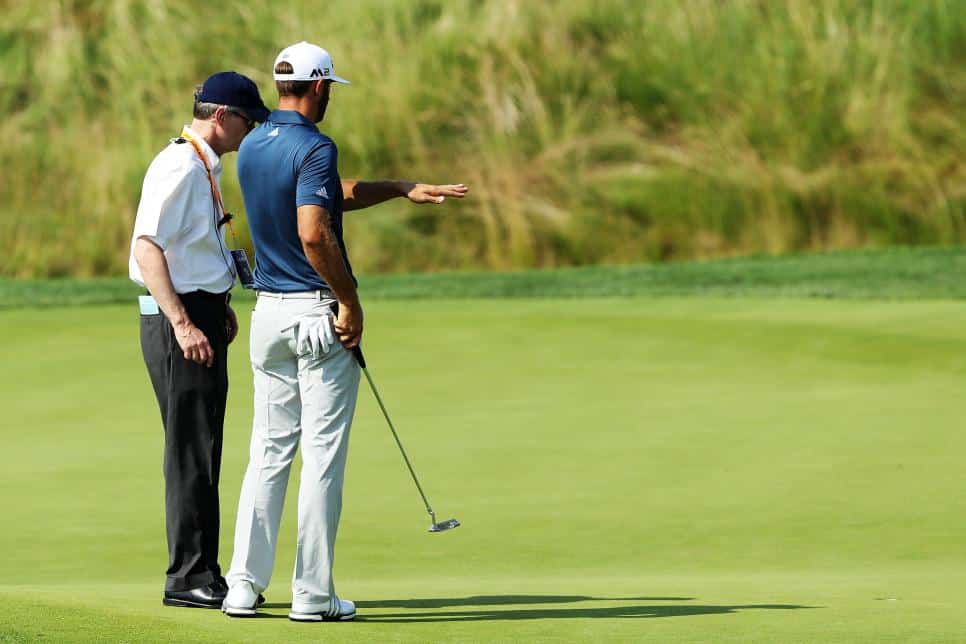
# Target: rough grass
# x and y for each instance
(589, 131)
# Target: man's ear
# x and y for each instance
(319, 87)
(219, 115)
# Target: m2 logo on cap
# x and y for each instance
(319, 73)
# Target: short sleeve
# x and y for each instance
(318, 177)
(165, 200)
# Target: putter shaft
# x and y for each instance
(412, 472)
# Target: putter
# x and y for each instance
(436, 526)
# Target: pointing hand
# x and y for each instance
(427, 193)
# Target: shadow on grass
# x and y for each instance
(615, 612)
(609, 612)
(502, 600)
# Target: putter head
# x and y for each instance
(442, 526)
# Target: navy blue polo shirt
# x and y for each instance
(283, 164)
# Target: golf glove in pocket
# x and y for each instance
(314, 336)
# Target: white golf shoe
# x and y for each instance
(340, 610)
(240, 601)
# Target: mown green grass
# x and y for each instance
(589, 131)
(897, 273)
(626, 469)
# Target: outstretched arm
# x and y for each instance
(362, 194)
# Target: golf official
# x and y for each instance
(307, 319)
(179, 255)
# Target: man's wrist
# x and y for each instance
(182, 325)
(350, 302)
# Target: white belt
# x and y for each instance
(299, 295)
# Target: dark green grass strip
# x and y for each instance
(895, 273)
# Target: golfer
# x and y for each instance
(305, 381)
(178, 254)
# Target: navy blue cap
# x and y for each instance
(234, 90)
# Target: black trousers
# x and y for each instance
(191, 398)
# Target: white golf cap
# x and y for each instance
(309, 62)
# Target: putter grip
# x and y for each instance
(357, 350)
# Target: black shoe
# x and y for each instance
(210, 596)
(222, 584)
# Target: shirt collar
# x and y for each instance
(289, 117)
(214, 161)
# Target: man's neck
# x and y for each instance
(206, 130)
(301, 104)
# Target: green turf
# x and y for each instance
(892, 273)
(671, 469)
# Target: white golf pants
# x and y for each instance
(295, 397)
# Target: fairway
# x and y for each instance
(640, 469)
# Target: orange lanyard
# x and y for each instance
(215, 194)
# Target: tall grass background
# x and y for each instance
(590, 131)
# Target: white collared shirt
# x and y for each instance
(178, 213)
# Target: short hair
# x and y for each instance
(204, 111)
(290, 87)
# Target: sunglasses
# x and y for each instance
(250, 122)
